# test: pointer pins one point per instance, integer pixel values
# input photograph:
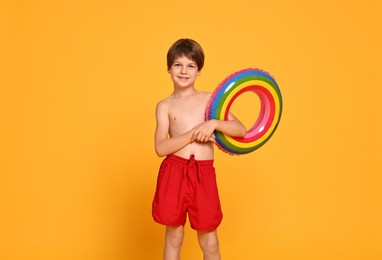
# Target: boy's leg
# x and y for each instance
(173, 242)
(209, 243)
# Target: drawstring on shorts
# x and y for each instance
(191, 162)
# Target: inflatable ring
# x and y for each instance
(262, 84)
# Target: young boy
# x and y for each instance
(186, 181)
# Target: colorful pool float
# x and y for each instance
(266, 88)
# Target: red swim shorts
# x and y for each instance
(187, 186)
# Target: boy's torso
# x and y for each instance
(185, 113)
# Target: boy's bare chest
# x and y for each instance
(187, 112)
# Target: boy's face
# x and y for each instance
(184, 72)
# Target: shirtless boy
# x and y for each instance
(186, 182)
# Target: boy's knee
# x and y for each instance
(175, 241)
(174, 236)
(209, 245)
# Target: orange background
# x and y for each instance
(79, 85)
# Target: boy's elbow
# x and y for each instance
(160, 153)
(243, 131)
(240, 132)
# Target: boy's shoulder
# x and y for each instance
(165, 100)
(205, 96)
(163, 103)
(202, 95)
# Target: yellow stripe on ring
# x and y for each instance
(276, 115)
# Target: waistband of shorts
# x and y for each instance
(182, 160)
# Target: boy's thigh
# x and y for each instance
(169, 207)
(205, 211)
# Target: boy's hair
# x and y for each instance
(186, 47)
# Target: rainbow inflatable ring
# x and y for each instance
(262, 84)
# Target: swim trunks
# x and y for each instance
(187, 186)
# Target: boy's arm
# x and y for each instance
(163, 144)
(232, 127)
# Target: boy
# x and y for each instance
(186, 180)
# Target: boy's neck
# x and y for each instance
(183, 92)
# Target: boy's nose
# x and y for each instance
(183, 70)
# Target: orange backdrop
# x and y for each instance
(79, 85)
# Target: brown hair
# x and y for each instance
(186, 47)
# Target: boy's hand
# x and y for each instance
(212, 138)
(204, 132)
